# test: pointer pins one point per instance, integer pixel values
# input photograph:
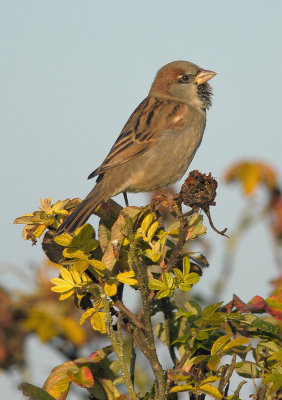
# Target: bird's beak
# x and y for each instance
(204, 76)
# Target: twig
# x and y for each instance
(239, 387)
(187, 351)
(132, 359)
(207, 212)
(129, 314)
(224, 381)
(179, 245)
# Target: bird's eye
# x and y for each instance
(184, 78)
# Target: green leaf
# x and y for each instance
(146, 223)
(152, 230)
(211, 379)
(63, 240)
(235, 343)
(167, 279)
(275, 378)
(127, 278)
(186, 267)
(182, 388)
(80, 266)
(264, 326)
(191, 278)
(217, 318)
(89, 245)
(70, 252)
(185, 287)
(202, 335)
(198, 359)
(152, 255)
(163, 293)
(247, 369)
(210, 390)
(219, 343)
(34, 392)
(213, 362)
(178, 273)
(84, 233)
(210, 310)
(155, 284)
(192, 307)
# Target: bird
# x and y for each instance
(157, 143)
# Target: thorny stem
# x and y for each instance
(166, 308)
(224, 381)
(207, 212)
(239, 387)
(117, 343)
(179, 245)
(149, 337)
(187, 351)
(132, 358)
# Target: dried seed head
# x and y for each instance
(198, 190)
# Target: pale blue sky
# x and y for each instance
(72, 72)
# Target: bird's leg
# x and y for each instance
(125, 198)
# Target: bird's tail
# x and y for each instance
(82, 212)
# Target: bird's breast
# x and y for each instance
(168, 159)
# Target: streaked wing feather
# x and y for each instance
(151, 119)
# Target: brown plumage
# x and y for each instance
(158, 142)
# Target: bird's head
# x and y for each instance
(184, 81)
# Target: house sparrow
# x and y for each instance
(158, 142)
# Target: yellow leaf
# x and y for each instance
(73, 331)
(63, 240)
(80, 266)
(62, 288)
(235, 343)
(126, 277)
(86, 315)
(110, 288)
(219, 343)
(58, 281)
(70, 252)
(76, 277)
(210, 390)
(98, 265)
(38, 231)
(64, 296)
(25, 219)
(66, 275)
(210, 379)
(98, 322)
(251, 174)
(182, 388)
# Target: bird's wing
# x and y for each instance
(148, 122)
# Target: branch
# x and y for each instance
(129, 314)
(224, 381)
(149, 337)
(117, 343)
